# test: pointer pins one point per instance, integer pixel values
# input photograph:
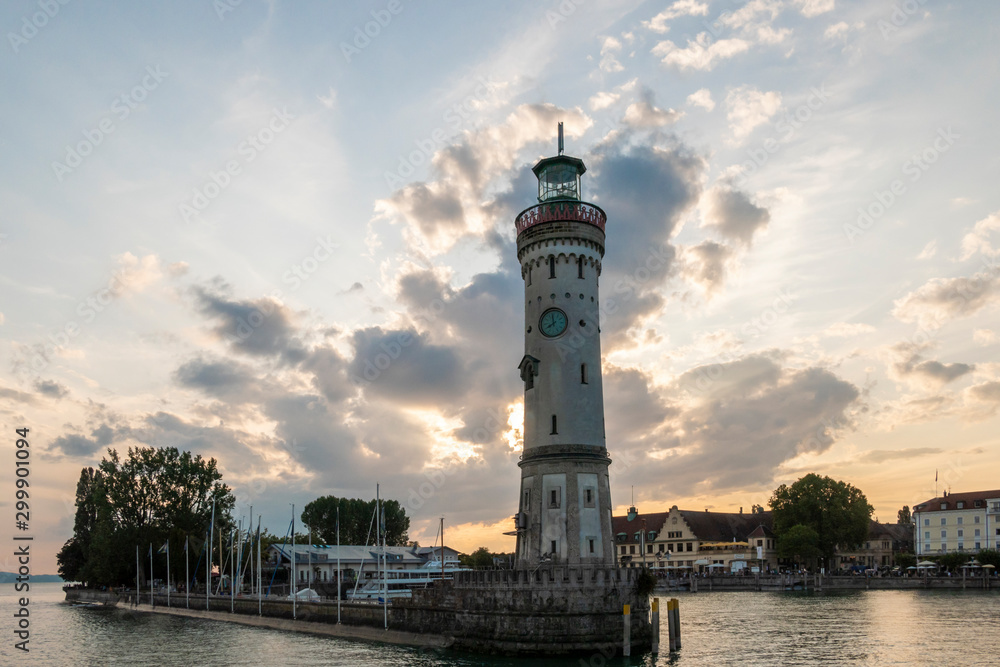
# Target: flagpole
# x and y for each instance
(294, 585)
(259, 582)
(309, 566)
(136, 575)
(168, 573)
(338, 561)
(232, 570)
(187, 577)
(208, 565)
(151, 575)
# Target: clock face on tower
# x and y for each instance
(553, 322)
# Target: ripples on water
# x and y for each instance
(855, 628)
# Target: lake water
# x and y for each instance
(851, 628)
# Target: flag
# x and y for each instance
(935, 474)
(162, 549)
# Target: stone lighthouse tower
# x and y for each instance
(564, 511)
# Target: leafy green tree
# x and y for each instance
(481, 557)
(903, 516)
(800, 543)
(989, 557)
(150, 497)
(837, 511)
(72, 558)
(356, 520)
(756, 509)
(905, 560)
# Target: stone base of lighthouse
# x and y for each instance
(548, 610)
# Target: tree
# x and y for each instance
(72, 558)
(800, 543)
(837, 511)
(151, 497)
(756, 509)
(356, 520)
(903, 516)
(905, 560)
(481, 557)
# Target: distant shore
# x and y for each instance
(827, 582)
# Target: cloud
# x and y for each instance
(16, 395)
(848, 330)
(942, 299)
(883, 455)
(701, 98)
(812, 8)
(457, 202)
(225, 379)
(658, 23)
(705, 265)
(731, 213)
(987, 392)
(748, 108)
(258, 327)
(700, 53)
(909, 365)
(51, 388)
(929, 250)
(985, 337)
(609, 48)
(644, 114)
(978, 240)
(726, 425)
(405, 367)
(603, 100)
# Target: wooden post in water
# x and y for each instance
(656, 625)
(671, 625)
(677, 621)
(626, 642)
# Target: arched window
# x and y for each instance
(554, 429)
(579, 267)
(583, 373)
(552, 266)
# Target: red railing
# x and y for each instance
(560, 211)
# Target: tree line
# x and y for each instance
(155, 496)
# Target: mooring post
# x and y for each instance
(671, 626)
(656, 625)
(677, 621)
(626, 645)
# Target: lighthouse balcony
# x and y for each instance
(560, 211)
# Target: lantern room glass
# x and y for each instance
(559, 181)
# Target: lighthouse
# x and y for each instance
(564, 510)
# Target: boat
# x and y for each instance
(401, 583)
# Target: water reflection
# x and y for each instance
(853, 628)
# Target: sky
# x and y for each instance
(281, 234)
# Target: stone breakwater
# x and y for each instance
(559, 610)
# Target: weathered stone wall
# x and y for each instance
(558, 610)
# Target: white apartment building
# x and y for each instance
(967, 521)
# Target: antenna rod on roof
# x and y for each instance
(561, 138)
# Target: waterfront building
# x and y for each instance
(680, 541)
(355, 561)
(957, 522)
(564, 506)
(885, 541)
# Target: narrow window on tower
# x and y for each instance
(591, 546)
(529, 274)
(583, 373)
(579, 268)
(527, 498)
(552, 266)
(553, 550)
(555, 431)
(554, 498)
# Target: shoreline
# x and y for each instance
(340, 631)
